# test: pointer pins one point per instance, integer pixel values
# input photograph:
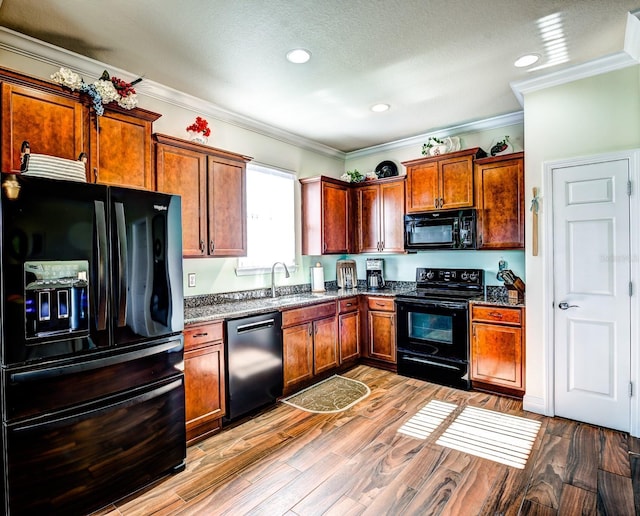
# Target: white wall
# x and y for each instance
(586, 117)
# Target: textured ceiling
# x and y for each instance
(438, 63)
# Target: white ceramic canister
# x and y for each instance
(317, 278)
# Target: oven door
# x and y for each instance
(433, 328)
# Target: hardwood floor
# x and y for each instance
(286, 461)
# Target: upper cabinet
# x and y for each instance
(52, 123)
(212, 185)
(121, 148)
(441, 182)
(499, 185)
(61, 123)
(326, 218)
(380, 215)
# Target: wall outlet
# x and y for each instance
(192, 279)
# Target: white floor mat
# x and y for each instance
(491, 435)
(427, 419)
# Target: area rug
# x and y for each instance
(427, 419)
(492, 435)
(334, 394)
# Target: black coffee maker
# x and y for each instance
(375, 277)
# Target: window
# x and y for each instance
(270, 220)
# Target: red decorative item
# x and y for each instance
(200, 126)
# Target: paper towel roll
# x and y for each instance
(317, 278)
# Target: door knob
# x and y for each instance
(566, 306)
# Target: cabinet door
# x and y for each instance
(422, 188)
(500, 204)
(204, 390)
(227, 208)
(184, 172)
(368, 219)
(325, 345)
(382, 336)
(297, 342)
(121, 150)
(496, 355)
(335, 218)
(51, 124)
(392, 217)
(349, 333)
(456, 182)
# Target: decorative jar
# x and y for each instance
(197, 137)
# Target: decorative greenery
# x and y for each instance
(103, 91)
(430, 143)
(200, 126)
(352, 176)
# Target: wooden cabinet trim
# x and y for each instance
(496, 314)
(349, 304)
(203, 335)
(309, 313)
(382, 304)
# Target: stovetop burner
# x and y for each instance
(451, 284)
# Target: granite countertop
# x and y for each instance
(496, 300)
(247, 307)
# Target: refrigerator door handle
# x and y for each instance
(58, 371)
(121, 238)
(101, 250)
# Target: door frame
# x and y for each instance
(633, 158)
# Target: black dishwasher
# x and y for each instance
(253, 366)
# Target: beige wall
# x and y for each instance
(586, 117)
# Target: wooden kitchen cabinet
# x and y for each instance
(441, 182)
(349, 329)
(204, 380)
(497, 349)
(53, 123)
(121, 148)
(212, 185)
(381, 329)
(326, 216)
(499, 183)
(380, 215)
(310, 343)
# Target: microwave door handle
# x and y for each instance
(121, 239)
(101, 258)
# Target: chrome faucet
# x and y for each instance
(273, 282)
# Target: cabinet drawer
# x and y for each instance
(348, 305)
(309, 313)
(384, 304)
(201, 335)
(496, 314)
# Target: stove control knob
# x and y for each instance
(430, 275)
(473, 276)
(464, 276)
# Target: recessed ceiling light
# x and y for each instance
(298, 55)
(379, 108)
(526, 60)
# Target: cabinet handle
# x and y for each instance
(95, 175)
(349, 304)
(441, 202)
(202, 246)
(435, 203)
(498, 315)
(310, 329)
(198, 335)
(382, 245)
(211, 246)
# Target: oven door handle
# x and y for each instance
(429, 362)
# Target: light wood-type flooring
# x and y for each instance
(286, 461)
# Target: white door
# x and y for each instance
(592, 304)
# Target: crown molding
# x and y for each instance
(486, 124)
(41, 51)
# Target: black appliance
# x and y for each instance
(375, 278)
(447, 229)
(92, 348)
(253, 366)
(433, 325)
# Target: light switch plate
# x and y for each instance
(192, 279)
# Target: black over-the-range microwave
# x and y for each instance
(447, 229)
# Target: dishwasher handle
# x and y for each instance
(260, 325)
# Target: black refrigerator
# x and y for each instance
(92, 347)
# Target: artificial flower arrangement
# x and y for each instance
(105, 90)
(200, 126)
(352, 176)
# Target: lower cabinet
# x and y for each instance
(349, 329)
(381, 330)
(497, 349)
(204, 380)
(310, 343)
